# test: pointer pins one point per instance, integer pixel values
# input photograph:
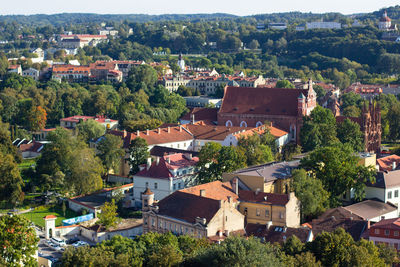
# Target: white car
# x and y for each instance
(78, 244)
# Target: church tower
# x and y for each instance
(385, 22)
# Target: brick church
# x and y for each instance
(370, 125)
(251, 107)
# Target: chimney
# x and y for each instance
(137, 133)
(220, 233)
(180, 128)
(157, 160)
(229, 199)
(148, 163)
(226, 232)
(393, 165)
(147, 132)
(258, 191)
(168, 160)
(235, 185)
(125, 133)
(193, 121)
(269, 224)
(159, 130)
(202, 192)
(169, 129)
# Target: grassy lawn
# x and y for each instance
(26, 163)
(36, 216)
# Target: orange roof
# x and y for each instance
(215, 190)
(67, 68)
(47, 217)
(386, 163)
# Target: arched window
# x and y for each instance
(259, 123)
(292, 132)
(228, 124)
(243, 124)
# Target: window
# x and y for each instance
(160, 224)
(266, 213)
(257, 212)
(396, 233)
(390, 195)
(180, 185)
(170, 226)
(396, 193)
(387, 232)
(377, 231)
(165, 225)
(147, 184)
(153, 222)
(245, 210)
(281, 215)
(174, 186)
(155, 185)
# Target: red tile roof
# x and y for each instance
(33, 146)
(214, 190)
(392, 224)
(386, 163)
(265, 101)
(157, 136)
(163, 168)
(50, 217)
(63, 68)
(200, 114)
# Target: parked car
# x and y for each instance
(72, 240)
(80, 244)
(58, 241)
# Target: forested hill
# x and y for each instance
(74, 18)
(290, 17)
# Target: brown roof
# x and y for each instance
(265, 198)
(157, 136)
(339, 217)
(210, 132)
(388, 224)
(161, 151)
(207, 114)
(214, 190)
(265, 101)
(369, 209)
(387, 179)
(148, 192)
(277, 234)
(386, 163)
(188, 207)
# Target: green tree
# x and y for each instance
(311, 193)
(139, 153)
(393, 117)
(108, 216)
(284, 84)
(11, 182)
(215, 159)
(18, 241)
(318, 130)
(338, 169)
(254, 150)
(90, 129)
(351, 111)
(85, 170)
(110, 152)
(349, 132)
(236, 251)
(388, 254)
(293, 246)
(165, 256)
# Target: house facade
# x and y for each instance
(165, 175)
(386, 232)
(208, 210)
(252, 107)
(386, 188)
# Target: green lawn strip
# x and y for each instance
(37, 215)
(26, 163)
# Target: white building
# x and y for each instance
(323, 25)
(278, 26)
(386, 188)
(165, 175)
(31, 72)
(202, 101)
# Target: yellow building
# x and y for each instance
(367, 159)
(266, 178)
(269, 208)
